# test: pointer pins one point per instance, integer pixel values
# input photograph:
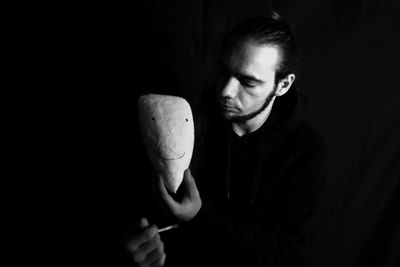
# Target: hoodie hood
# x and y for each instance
(286, 114)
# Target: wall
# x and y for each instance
(350, 56)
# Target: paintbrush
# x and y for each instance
(174, 226)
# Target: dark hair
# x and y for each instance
(268, 30)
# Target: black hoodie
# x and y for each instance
(260, 192)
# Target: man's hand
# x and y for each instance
(189, 205)
(146, 246)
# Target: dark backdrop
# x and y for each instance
(349, 55)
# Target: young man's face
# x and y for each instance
(246, 84)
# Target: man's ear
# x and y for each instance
(284, 84)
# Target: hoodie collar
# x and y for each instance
(286, 114)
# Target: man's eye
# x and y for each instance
(247, 83)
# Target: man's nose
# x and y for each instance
(230, 88)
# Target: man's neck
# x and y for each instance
(253, 124)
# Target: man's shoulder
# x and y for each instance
(309, 154)
(307, 130)
(307, 134)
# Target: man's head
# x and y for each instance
(257, 64)
(270, 30)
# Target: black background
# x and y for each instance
(118, 50)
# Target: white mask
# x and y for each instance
(168, 132)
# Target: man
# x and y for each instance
(257, 174)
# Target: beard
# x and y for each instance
(244, 118)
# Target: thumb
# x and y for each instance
(134, 228)
(143, 223)
(190, 184)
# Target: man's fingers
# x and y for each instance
(156, 255)
(188, 204)
(164, 194)
(152, 244)
(135, 228)
(190, 184)
(160, 262)
(143, 223)
(142, 237)
(143, 251)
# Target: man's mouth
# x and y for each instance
(226, 107)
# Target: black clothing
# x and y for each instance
(260, 192)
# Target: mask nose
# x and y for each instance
(230, 88)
